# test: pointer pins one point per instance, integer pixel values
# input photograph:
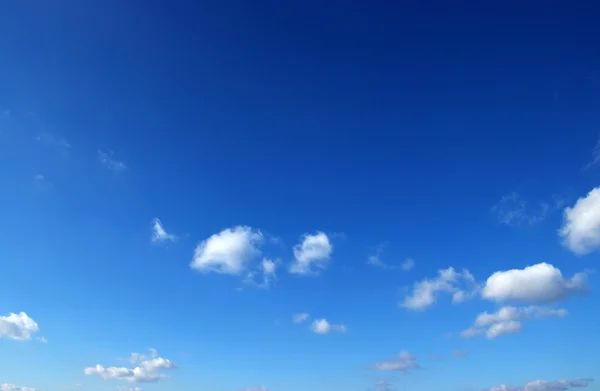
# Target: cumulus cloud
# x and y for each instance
(12, 387)
(580, 231)
(507, 320)
(462, 286)
(311, 254)
(540, 283)
(107, 159)
(543, 385)
(299, 318)
(229, 251)
(147, 370)
(322, 326)
(18, 327)
(159, 234)
(404, 362)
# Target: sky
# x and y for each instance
(285, 196)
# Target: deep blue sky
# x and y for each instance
(394, 129)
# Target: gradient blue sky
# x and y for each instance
(452, 136)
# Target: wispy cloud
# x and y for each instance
(376, 259)
(595, 156)
(54, 142)
(159, 234)
(513, 210)
(108, 160)
(543, 385)
(299, 318)
(404, 362)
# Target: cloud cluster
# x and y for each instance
(404, 362)
(462, 286)
(507, 320)
(580, 231)
(540, 283)
(147, 370)
(544, 385)
(19, 326)
(312, 254)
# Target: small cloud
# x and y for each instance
(54, 142)
(159, 234)
(108, 160)
(12, 387)
(312, 254)
(42, 339)
(543, 385)
(595, 156)
(19, 327)
(148, 369)
(322, 326)
(462, 286)
(507, 320)
(460, 353)
(299, 318)
(265, 274)
(514, 211)
(384, 385)
(258, 388)
(404, 362)
(408, 264)
(229, 251)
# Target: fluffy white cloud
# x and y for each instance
(462, 286)
(12, 387)
(404, 362)
(159, 234)
(541, 283)
(148, 369)
(229, 251)
(544, 385)
(580, 230)
(322, 326)
(313, 253)
(507, 320)
(299, 318)
(19, 326)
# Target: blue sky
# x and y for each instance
(256, 196)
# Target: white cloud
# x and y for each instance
(384, 385)
(148, 369)
(540, 283)
(159, 234)
(12, 387)
(229, 251)
(299, 318)
(507, 320)
(259, 388)
(322, 326)
(580, 230)
(19, 327)
(543, 385)
(313, 253)
(108, 160)
(266, 269)
(462, 286)
(404, 362)
(53, 141)
(408, 264)
(124, 388)
(513, 210)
